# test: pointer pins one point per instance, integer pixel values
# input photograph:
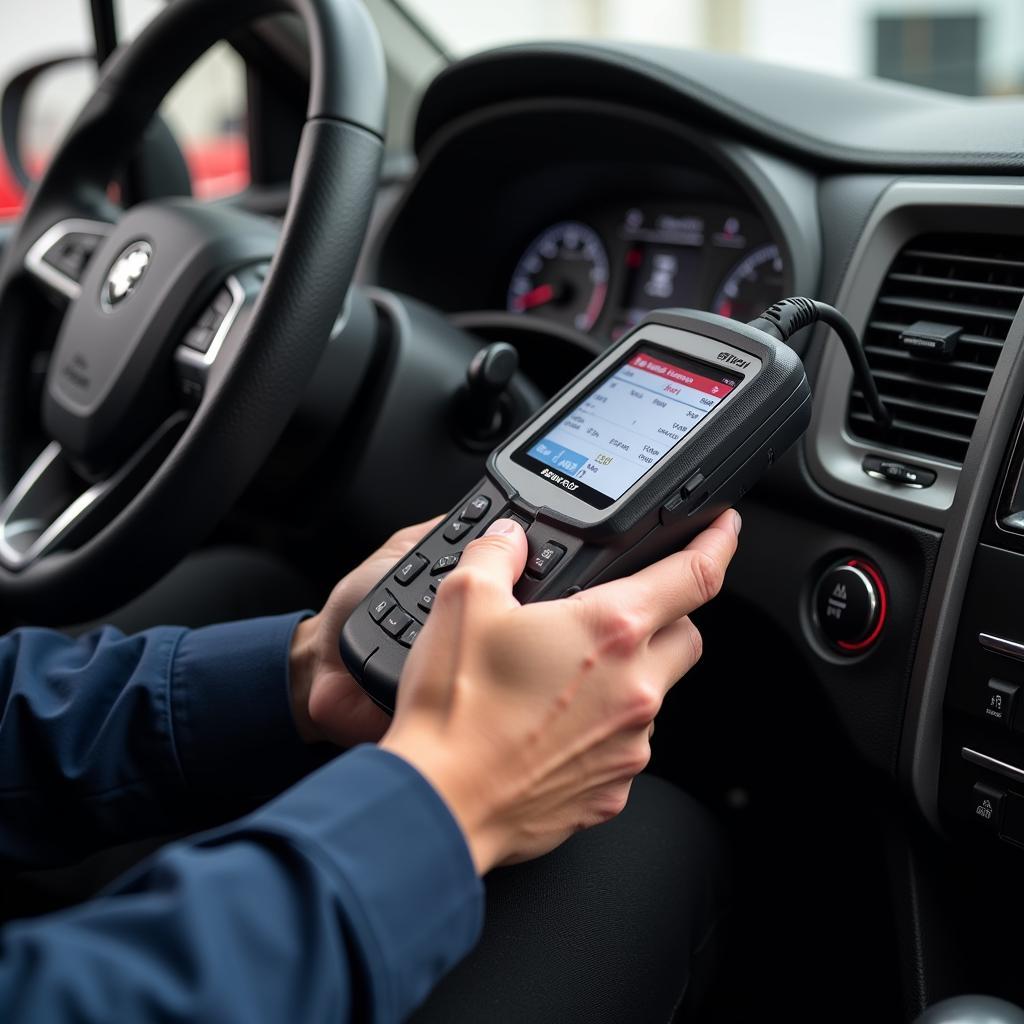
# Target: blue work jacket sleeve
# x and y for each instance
(108, 738)
(344, 899)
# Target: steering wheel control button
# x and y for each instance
(222, 302)
(1000, 699)
(71, 253)
(456, 530)
(544, 559)
(395, 622)
(987, 805)
(850, 605)
(381, 604)
(426, 601)
(408, 637)
(475, 509)
(410, 569)
(900, 473)
(199, 338)
(445, 563)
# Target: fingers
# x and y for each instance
(675, 649)
(678, 584)
(490, 564)
(408, 537)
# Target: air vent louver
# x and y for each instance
(974, 282)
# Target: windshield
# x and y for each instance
(970, 47)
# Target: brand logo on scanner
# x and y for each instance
(556, 478)
(125, 274)
(728, 357)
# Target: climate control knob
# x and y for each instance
(850, 605)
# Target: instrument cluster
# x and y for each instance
(602, 271)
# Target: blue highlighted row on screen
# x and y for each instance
(557, 456)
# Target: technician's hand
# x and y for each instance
(532, 721)
(327, 702)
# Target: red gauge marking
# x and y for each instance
(594, 306)
(538, 296)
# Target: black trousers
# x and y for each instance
(620, 924)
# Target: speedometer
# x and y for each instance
(563, 276)
(752, 285)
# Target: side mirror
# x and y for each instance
(38, 105)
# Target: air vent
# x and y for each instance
(973, 283)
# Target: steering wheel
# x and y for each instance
(188, 332)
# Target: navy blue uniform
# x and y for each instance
(344, 898)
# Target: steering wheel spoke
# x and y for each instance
(218, 329)
(53, 507)
(58, 258)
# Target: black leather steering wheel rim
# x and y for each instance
(233, 429)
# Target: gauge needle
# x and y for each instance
(538, 296)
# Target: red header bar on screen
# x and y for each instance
(659, 368)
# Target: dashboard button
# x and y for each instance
(456, 530)
(426, 601)
(395, 622)
(850, 604)
(898, 472)
(1000, 698)
(381, 604)
(475, 509)
(544, 559)
(987, 805)
(410, 569)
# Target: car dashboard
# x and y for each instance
(564, 190)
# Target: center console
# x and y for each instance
(981, 782)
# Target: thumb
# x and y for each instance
(499, 556)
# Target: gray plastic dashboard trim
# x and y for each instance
(906, 209)
(921, 739)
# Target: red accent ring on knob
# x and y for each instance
(883, 607)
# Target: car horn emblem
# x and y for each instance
(124, 276)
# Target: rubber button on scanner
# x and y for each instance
(410, 569)
(445, 563)
(691, 485)
(544, 559)
(381, 604)
(475, 509)
(408, 638)
(395, 622)
(426, 602)
(456, 530)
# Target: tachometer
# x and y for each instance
(752, 285)
(563, 275)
